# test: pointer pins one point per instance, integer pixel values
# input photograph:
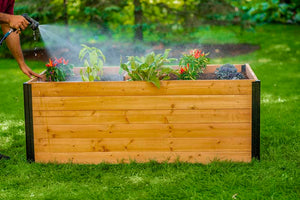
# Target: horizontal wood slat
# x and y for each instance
(143, 130)
(139, 88)
(142, 144)
(142, 116)
(192, 102)
(126, 157)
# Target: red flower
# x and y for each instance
(59, 61)
(196, 53)
(65, 61)
(184, 69)
(181, 70)
(51, 63)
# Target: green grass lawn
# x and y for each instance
(276, 176)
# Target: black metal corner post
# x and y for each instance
(256, 119)
(243, 69)
(28, 122)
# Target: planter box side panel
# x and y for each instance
(194, 121)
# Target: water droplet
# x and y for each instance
(35, 51)
(34, 35)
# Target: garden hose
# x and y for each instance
(6, 35)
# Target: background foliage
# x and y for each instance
(182, 12)
(159, 16)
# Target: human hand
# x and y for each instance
(18, 22)
(26, 70)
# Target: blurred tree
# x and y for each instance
(66, 11)
(101, 13)
(214, 11)
(270, 11)
(138, 20)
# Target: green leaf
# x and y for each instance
(138, 59)
(91, 78)
(166, 70)
(172, 60)
(132, 62)
(93, 58)
(155, 81)
(157, 56)
(144, 67)
(150, 58)
(166, 78)
(101, 54)
(124, 67)
(100, 64)
(148, 68)
(166, 54)
(95, 63)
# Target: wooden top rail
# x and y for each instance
(115, 70)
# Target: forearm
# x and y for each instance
(13, 43)
(4, 18)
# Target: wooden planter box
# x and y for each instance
(118, 121)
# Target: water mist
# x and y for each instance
(66, 41)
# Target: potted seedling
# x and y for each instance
(93, 64)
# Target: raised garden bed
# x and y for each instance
(120, 121)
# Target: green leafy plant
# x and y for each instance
(58, 69)
(94, 65)
(192, 64)
(149, 68)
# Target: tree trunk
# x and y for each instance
(66, 11)
(138, 20)
(185, 15)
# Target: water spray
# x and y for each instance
(33, 25)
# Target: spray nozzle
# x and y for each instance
(33, 24)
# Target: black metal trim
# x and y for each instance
(256, 119)
(28, 122)
(243, 70)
